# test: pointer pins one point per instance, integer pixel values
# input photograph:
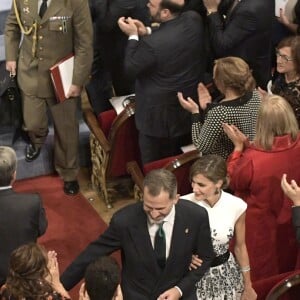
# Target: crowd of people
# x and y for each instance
(167, 52)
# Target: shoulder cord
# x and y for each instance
(27, 32)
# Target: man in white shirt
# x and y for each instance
(157, 238)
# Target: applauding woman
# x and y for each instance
(240, 105)
(33, 274)
(255, 171)
(287, 83)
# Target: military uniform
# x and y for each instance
(65, 28)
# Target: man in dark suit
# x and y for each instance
(245, 32)
(22, 216)
(168, 60)
(147, 272)
(109, 50)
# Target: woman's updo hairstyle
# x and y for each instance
(234, 73)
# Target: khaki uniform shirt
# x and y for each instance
(65, 28)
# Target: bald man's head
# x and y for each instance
(174, 6)
(164, 10)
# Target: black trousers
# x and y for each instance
(155, 148)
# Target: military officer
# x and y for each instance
(38, 34)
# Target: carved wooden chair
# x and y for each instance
(179, 165)
(286, 289)
(113, 142)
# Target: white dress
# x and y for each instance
(223, 282)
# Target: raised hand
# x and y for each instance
(142, 30)
(283, 18)
(204, 96)
(188, 104)
(292, 190)
(83, 295)
(128, 26)
(235, 135)
(53, 279)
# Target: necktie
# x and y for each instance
(43, 8)
(160, 245)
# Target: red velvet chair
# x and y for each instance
(286, 289)
(114, 142)
(179, 165)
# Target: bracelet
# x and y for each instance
(245, 269)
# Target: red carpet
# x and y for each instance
(72, 221)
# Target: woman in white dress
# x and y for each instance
(229, 276)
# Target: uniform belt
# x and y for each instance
(221, 259)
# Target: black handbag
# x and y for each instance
(10, 100)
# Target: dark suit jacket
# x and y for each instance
(110, 42)
(168, 61)
(141, 276)
(246, 33)
(22, 220)
(296, 221)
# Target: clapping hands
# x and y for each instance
(128, 26)
(190, 105)
(292, 190)
(53, 267)
(235, 135)
(53, 277)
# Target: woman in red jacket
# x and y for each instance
(255, 171)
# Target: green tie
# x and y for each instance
(160, 245)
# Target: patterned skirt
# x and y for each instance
(223, 282)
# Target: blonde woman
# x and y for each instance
(255, 174)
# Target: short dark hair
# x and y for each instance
(102, 278)
(172, 6)
(161, 180)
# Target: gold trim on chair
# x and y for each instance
(102, 151)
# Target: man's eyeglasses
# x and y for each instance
(283, 57)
